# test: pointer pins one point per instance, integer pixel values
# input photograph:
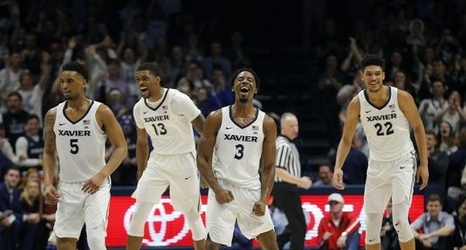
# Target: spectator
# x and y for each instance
(32, 93)
(31, 174)
(221, 88)
(177, 63)
(338, 229)
(439, 72)
(205, 101)
(194, 48)
(15, 117)
(446, 138)
(458, 236)
(352, 63)
(325, 176)
(31, 145)
(194, 77)
(429, 107)
(9, 76)
(433, 228)
(111, 81)
(403, 81)
(7, 157)
(453, 112)
(10, 200)
(216, 60)
(329, 82)
(34, 236)
(457, 161)
(437, 162)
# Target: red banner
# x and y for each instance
(167, 227)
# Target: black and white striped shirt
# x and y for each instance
(287, 157)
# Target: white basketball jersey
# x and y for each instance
(80, 144)
(387, 129)
(169, 124)
(238, 150)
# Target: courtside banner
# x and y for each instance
(167, 227)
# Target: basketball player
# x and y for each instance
(77, 130)
(386, 114)
(236, 156)
(168, 117)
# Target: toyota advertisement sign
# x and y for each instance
(167, 227)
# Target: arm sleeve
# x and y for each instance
(450, 221)
(7, 150)
(21, 146)
(417, 224)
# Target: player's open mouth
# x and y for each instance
(143, 89)
(244, 89)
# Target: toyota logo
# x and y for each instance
(158, 221)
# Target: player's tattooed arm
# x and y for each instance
(48, 158)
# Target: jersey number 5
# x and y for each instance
(385, 129)
(74, 146)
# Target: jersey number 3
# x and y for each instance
(384, 129)
(239, 151)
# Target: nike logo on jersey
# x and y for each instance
(61, 124)
(187, 177)
(368, 111)
(145, 112)
(229, 127)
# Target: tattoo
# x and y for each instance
(50, 145)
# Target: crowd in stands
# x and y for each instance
(425, 52)
(424, 46)
(112, 38)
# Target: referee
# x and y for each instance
(288, 179)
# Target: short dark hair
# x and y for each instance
(153, 68)
(431, 132)
(78, 68)
(373, 59)
(33, 116)
(15, 93)
(236, 73)
(435, 197)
